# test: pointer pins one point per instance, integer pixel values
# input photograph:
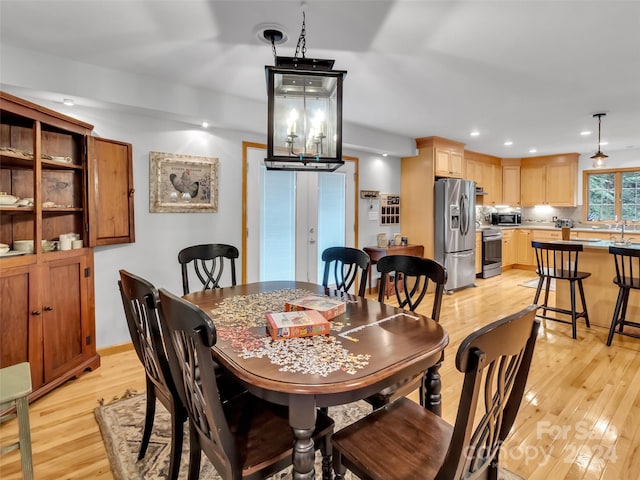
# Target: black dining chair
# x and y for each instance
(208, 263)
(410, 277)
(140, 301)
(342, 265)
(627, 262)
(559, 262)
(244, 438)
(403, 440)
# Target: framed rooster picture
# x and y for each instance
(182, 183)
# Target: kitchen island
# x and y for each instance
(600, 291)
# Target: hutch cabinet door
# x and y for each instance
(21, 320)
(66, 314)
(110, 191)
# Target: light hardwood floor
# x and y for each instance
(580, 418)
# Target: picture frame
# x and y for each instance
(182, 183)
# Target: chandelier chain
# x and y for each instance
(301, 47)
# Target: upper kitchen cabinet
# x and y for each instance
(511, 181)
(486, 171)
(549, 180)
(447, 155)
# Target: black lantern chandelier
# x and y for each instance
(599, 157)
(304, 110)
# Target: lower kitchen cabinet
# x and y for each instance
(49, 321)
(509, 248)
(524, 249)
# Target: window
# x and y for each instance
(612, 195)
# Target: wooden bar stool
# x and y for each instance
(15, 387)
(627, 261)
(559, 261)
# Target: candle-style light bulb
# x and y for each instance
(293, 117)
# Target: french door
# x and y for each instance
(291, 217)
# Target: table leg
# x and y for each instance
(302, 418)
(430, 396)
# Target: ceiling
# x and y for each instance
(532, 72)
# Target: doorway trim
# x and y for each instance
(245, 166)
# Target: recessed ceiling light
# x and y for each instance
(532, 150)
(385, 154)
(69, 102)
(508, 143)
(204, 124)
(584, 133)
(475, 133)
(604, 142)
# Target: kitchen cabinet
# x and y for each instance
(49, 160)
(524, 251)
(486, 171)
(511, 185)
(509, 248)
(447, 155)
(417, 184)
(549, 180)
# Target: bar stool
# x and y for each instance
(627, 261)
(559, 261)
(15, 386)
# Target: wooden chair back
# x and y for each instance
(557, 260)
(190, 334)
(495, 361)
(346, 262)
(627, 261)
(208, 264)
(410, 276)
(140, 302)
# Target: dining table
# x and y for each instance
(371, 346)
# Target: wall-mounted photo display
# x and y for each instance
(389, 209)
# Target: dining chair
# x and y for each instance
(247, 437)
(208, 263)
(15, 387)
(345, 262)
(559, 262)
(140, 301)
(417, 443)
(410, 277)
(627, 262)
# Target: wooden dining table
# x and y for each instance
(371, 346)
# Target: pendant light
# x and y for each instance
(304, 122)
(599, 157)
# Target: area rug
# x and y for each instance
(534, 284)
(121, 423)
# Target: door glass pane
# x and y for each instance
(277, 225)
(331, 214)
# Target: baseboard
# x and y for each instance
(113, 349)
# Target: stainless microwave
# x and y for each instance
(506, 218)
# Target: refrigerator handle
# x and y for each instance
(464, 215)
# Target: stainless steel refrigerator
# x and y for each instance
(455, 231)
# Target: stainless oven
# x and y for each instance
(491, 252)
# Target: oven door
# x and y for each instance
(491, 255)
